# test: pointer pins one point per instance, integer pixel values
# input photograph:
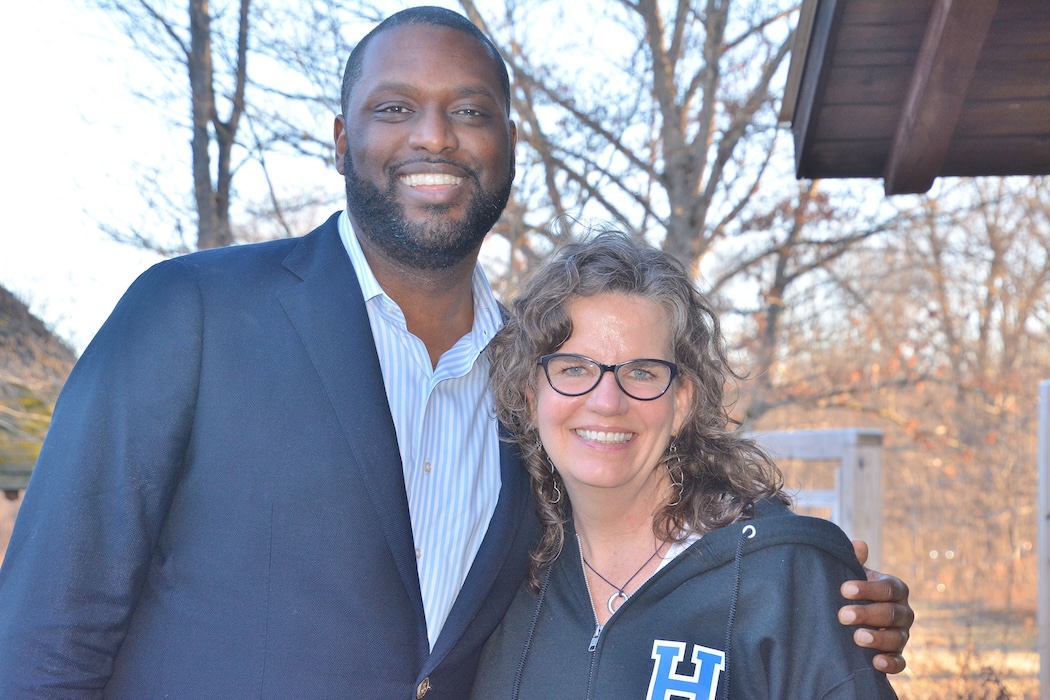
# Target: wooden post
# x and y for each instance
(1044, 539)
(14, 477)
(856, 499)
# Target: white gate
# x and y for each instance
(854, 499)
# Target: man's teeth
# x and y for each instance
(430, 179)
(597, 436)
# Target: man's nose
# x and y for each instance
(433, 131)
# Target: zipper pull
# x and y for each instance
(594, 639)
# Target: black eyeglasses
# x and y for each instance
(575, 375)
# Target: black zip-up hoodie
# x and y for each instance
(748, 611)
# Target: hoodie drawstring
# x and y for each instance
(747, 533)
(516, 688)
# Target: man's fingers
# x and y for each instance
(890, 663)
(881, 615)
(887, 641)
(860, 548)
(885, 622)
(890, 642)
(883, 588)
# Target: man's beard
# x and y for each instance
(436, 244)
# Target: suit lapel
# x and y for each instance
(328, 311)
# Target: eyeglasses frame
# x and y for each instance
(544, 360)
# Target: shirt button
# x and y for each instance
(423, 688)
(419, 553)
(427, 467)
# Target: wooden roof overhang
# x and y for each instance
(911, 90)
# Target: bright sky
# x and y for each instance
(62, 153)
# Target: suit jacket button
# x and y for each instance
(424, 686)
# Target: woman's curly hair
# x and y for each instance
(723, 472)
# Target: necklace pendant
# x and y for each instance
(612, 604)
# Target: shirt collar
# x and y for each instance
(488, 317)
(369, 285)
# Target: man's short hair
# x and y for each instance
(429, 16)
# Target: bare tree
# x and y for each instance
(206, 53)
(780, 254)
(938, 332)
(213, 198)
(657, 114)
(188, 39)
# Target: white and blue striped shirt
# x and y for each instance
(446, 431)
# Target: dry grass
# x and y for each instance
(957, 653)
(944, 675)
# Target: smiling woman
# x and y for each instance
(669, 562)
(602, 441)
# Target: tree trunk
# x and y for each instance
(213, 197)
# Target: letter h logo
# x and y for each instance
(667, 683)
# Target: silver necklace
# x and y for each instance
(619, 595)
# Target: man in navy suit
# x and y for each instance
(274, 472)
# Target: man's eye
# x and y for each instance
(473, 115)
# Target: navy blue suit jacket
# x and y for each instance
(219, 509)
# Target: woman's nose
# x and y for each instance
(607, 396)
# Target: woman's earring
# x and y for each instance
(675, 472)
(554, 481)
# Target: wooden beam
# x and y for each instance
(955, 35)
(813, 81)
(803, 31)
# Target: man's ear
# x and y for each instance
(339, 136)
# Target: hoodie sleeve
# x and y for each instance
(789, 643)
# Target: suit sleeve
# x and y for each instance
(100, 492)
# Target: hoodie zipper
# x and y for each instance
(597, 625)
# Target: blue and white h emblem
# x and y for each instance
(667, 683)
